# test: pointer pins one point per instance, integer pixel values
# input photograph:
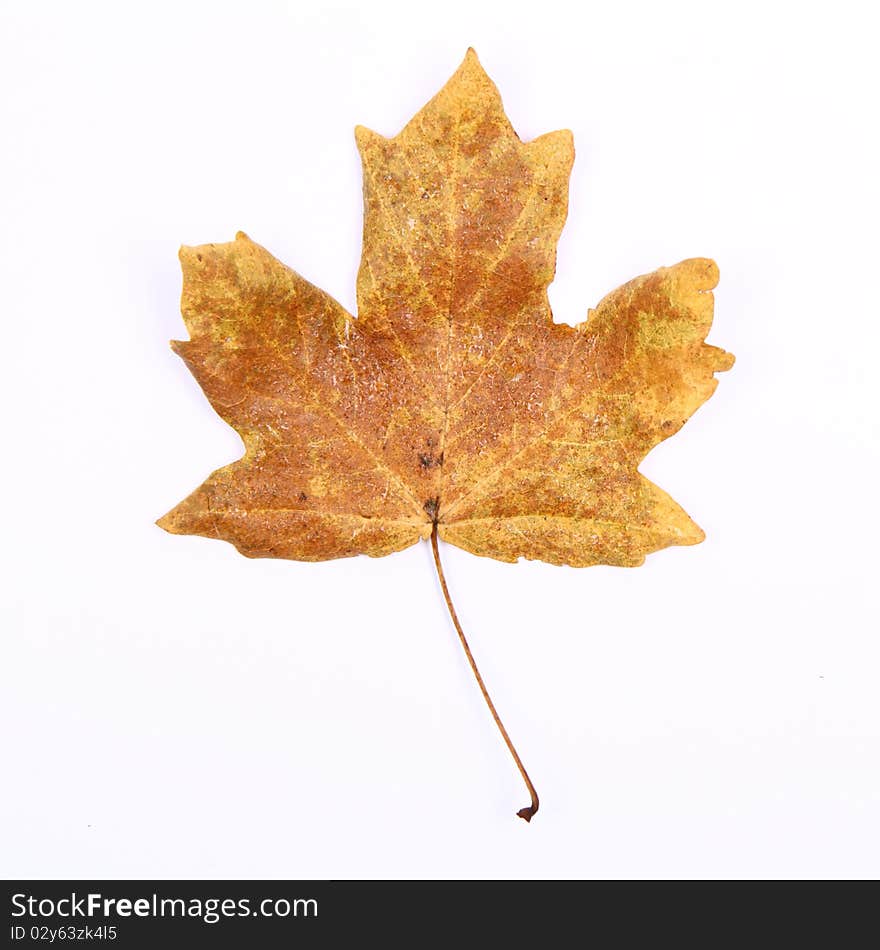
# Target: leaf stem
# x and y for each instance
(525, 813)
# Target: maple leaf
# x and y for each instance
(453, 406)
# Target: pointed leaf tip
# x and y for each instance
(471, 67)
(366, 138)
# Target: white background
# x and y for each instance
(172, 709)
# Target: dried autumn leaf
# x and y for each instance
(453, 406)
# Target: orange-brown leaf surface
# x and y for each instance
(453, 397)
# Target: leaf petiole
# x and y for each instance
(525, 813)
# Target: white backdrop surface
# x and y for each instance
(172, 709)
